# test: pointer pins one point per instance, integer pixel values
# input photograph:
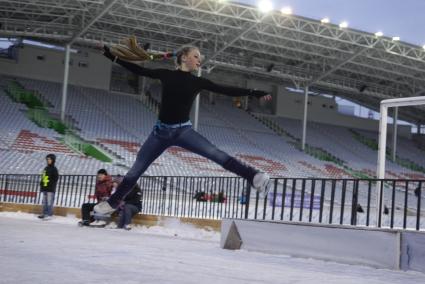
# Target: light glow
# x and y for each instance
(265, 6)
(286, 10)
(325, 20)
(343, 25)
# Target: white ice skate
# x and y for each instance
(262, 183)
(99, 223)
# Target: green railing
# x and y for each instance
(75, 142)
(373, 144)
(41, 117)
(38, 113)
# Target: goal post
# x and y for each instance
(382, 145)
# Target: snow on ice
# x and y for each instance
(58, 251)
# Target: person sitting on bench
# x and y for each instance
(102, 193)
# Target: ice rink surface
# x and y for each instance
(58, 251)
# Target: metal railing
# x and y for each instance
(329, 201)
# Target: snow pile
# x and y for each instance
(169, 228)
(173, 227)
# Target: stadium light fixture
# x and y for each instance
(325, 20)
(286, 10)
(396, 38)
(343, 25)
(423, 46)
(265, 6)
(379, 34)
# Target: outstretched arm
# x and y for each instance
(137, 69)
(232, 91)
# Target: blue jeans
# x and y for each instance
(164, 136)
(48, 200)
(126, 214)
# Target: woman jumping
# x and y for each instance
(179, 89)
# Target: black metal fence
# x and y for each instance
(330, 201)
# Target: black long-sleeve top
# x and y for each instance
(179, 89)
(49, 179)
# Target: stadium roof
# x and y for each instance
(357, 65)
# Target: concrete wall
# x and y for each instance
(413, 251)
(96, 75)
(291, 105)
(419, 139)
(325, 110)
(381, 248)
(373, 248)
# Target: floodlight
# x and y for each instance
(343, 25)
(265, 6)
(325, 20)
(286, 10)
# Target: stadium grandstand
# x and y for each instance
(276, 51)
(59, 95)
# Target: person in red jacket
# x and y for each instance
(102, 193)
